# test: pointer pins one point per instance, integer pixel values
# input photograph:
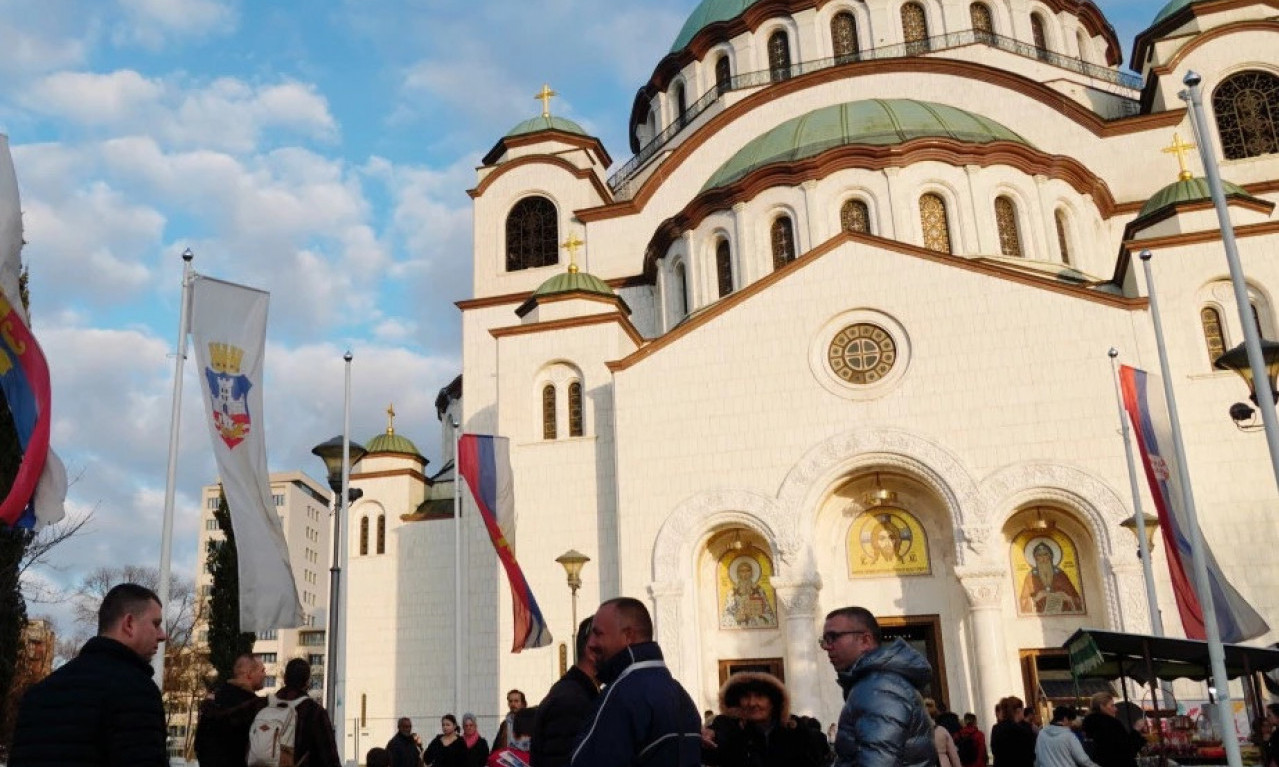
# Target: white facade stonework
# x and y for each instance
(715, 424)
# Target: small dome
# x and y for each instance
(1188, 190)
(706, 13)
(391, 443)
(1172, 7)
(879, 122)
(573, 282)
(542, 122)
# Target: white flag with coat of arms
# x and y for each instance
(228, 329)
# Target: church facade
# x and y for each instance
(837, 334)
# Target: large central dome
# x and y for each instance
(877, 122)
(706, 13)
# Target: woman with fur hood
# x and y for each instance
(755, 728)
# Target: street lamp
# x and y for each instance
(1147, 526)
(572, 560)
(1237, 360)
(335, 462)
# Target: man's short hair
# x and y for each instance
(583, 637)
(635, 614)
(522, 722)
(970, 718)
(523, 699)
(860, 615)
(244, 663)
(378, 757)
(124, 599)
(1063, 714)
(297, 674)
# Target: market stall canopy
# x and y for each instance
(1109, 655)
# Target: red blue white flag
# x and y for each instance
(1236, 620)
(485, 463)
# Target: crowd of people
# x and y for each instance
(618, 705)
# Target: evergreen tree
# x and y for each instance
(226, 641)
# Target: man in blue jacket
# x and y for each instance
(883, 723)
(643, 717)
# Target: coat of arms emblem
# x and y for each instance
(229, 390)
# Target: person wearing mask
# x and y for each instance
(755, 728)
(1113, 744)
(1058, 745)
(1012, 741)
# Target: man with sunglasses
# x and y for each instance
(883, 723)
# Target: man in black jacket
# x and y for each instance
(405, 747)
(101, 709)
(313, 735)
(222, 737)
(565, 708)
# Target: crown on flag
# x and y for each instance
(225, 358)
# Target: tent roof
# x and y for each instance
(1110, 655)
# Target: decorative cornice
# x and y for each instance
(486, 302)
(542, 159)
(1148, 36)
(699, 514)
(1202, 38)
(1177, 208)
(580, 295)
(414, 473)
(1195, 238)
(571, 322)
(588, 143)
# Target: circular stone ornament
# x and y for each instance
(862, 353)
(859, 354)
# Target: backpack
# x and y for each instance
(273, 732)
(966, 745)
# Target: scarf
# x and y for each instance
(471, 740)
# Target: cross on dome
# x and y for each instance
(390, 418)
(544, 96)
(571, 245)
(1180, 148)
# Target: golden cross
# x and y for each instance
(1180, 148)
(544, 96)
(571, 245)
(390, 418)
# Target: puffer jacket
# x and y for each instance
(101, 709)
(643, 717)
(883, 723)
(1058, 746)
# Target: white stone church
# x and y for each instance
(837, 334)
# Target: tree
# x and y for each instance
(226, 641)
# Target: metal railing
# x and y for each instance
(620, 180)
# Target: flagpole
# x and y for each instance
(170, 483)
(1216, 653)
(338, 714)
(457, 569)
(1251, 336)
(1143, 546)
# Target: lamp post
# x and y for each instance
(338, 455)
(1237, 360)
(573, 560)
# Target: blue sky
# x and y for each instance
(319, 149)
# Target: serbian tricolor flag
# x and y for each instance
(485, 463)
(1236, 620)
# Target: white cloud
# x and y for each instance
(152, 24)
(59, 35)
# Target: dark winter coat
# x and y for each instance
(560, 717)
(99, 710)
(783, 743)
(883, 723)
(1012, 744)
(440, 755)
(403, 751)
(1113, 744)
(644, 717)
(222, 737)
(477, 755)
(313, 734)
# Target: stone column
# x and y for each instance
(977, 240)
(984, 587)
(1134, 610)
(893, 226)
(811, 212)
(1043, 216)
(677, 640)
(746, 272)
(798, 602)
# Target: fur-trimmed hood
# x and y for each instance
(747, 681)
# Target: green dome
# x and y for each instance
(541, 123)
(706, 13)
(1188, 190)
(1171, 8)
(574, 281)
(878, 122)
(391, 443)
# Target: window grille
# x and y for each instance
(532, 234)
(1247, 111)
(935, 223)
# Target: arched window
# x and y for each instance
(1006, 221)
(1247, 110)
(724, 267)
(364, 536)
(1037, 35)
(532, 234)
(782, 236)
(548, 411)
(914, 28)
(979, 13)
(575, 409)
(723, 74)
(681, 285)
(1063, 245)
(935, 223)
(854, 216)
(681, 105)
(1214, 337)
(778, 56)
(843, 37)
(381, 533)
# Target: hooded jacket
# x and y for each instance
(643, 716)
(1057, 746)
(744, 744)
(883, 723)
